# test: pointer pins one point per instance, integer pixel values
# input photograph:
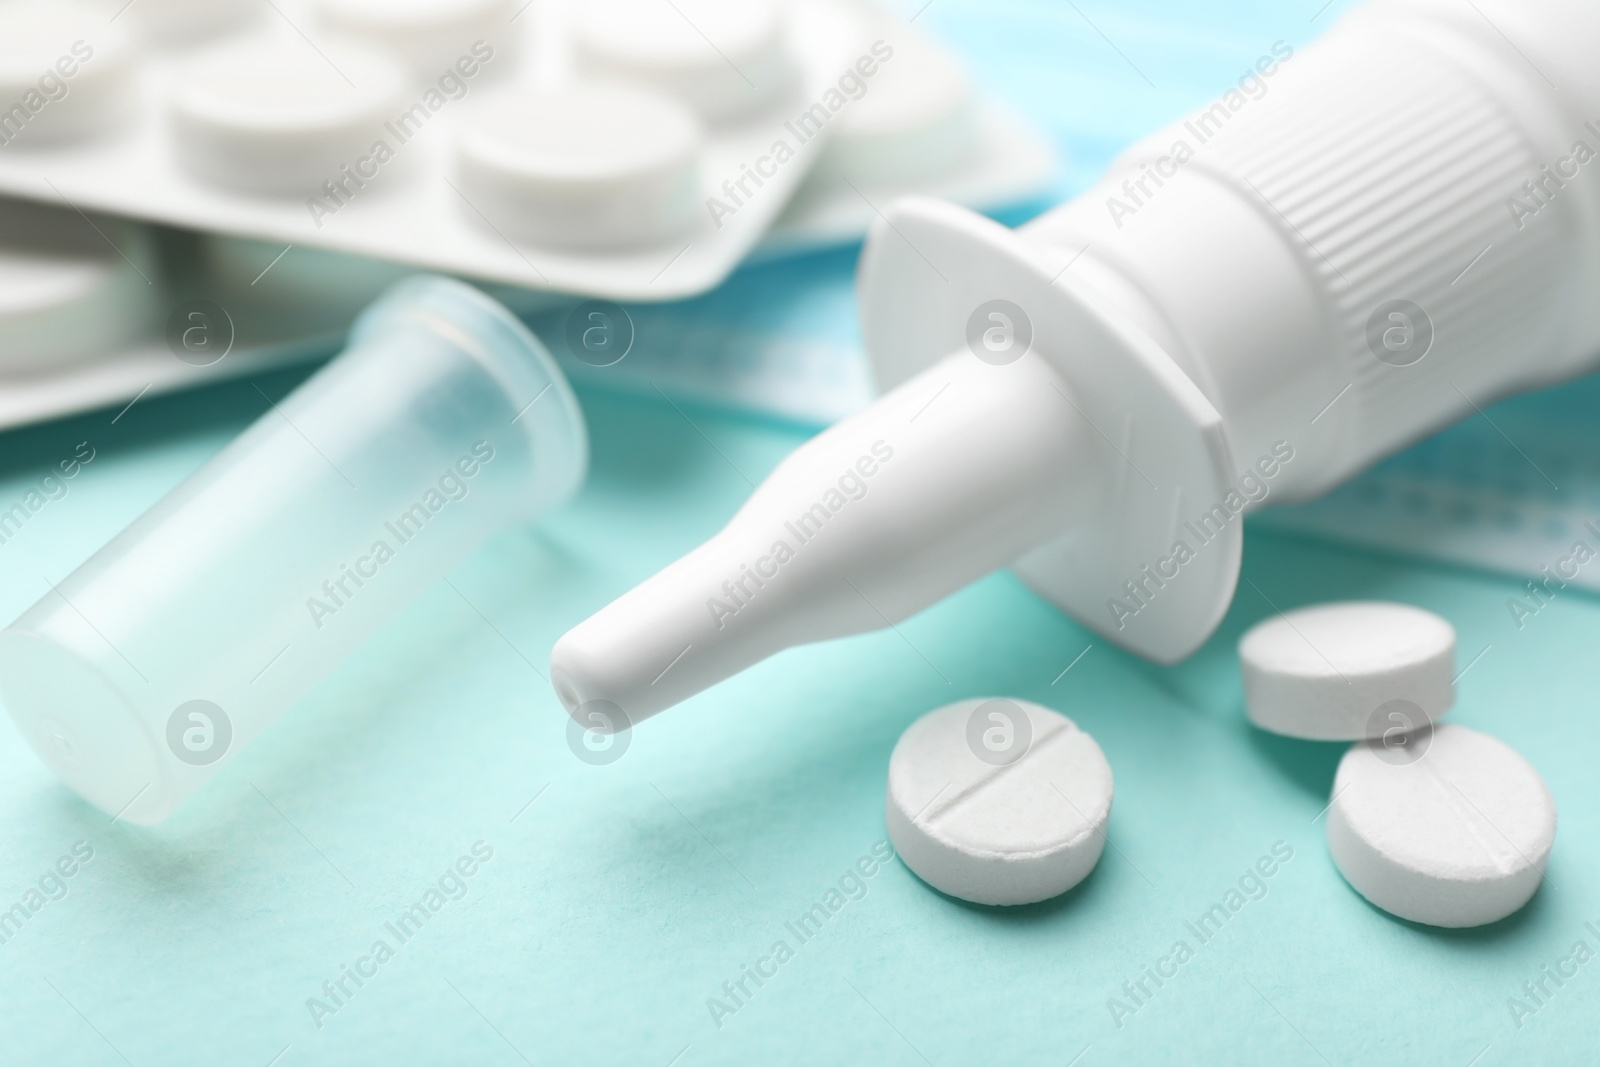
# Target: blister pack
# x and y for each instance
(84, 325)
(629, 148)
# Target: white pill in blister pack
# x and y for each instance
(268, 115)
(998, 801)
(918, 121)
(584, 166)
(55, 85)
(1453, 828)
(665, 45)
(1346, 671)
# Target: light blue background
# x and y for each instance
(623, 897)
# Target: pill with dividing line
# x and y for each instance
(1452, 829)
(998, 801)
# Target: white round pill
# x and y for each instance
(277, 115)
(998, 801)
(1347, 671)
(65, 73)
(434, 36)
(1451, 829)
(584, 166)
(911, 117)
(70, 291)
(727, 59)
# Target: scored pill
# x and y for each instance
(998, 801)
(1451, 829)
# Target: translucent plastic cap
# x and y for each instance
(443, 423)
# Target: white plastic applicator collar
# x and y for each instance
(949, 477)
(1076, 462)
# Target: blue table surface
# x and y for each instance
(616, 901)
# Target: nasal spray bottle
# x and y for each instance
(1389, 230)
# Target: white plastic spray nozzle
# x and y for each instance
(1372, 237)
(953, 474)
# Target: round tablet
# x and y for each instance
(275, 115)
(65, 73)
(585, 166)
(1347, 671)
(67, 294)
(914, 116)
(998, 801)
(727, 59)
(434, 36)
(1453, 832)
